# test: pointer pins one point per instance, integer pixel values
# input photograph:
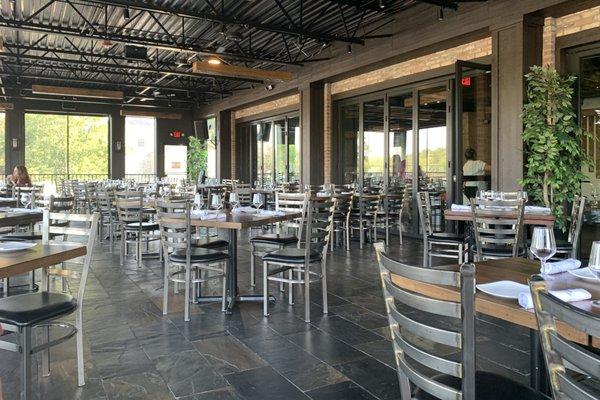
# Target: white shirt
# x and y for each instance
(475, 167)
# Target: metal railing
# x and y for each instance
(58, 178)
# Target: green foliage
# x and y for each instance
(57, 144)
(197, 157)
(552, 139)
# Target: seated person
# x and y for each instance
(19, 177)
(474, 167)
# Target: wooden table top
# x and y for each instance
(41, 256)
(517, 270)
(243, 220)
(13, 218)
(529, 218)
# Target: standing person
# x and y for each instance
(19, 177)
(474, 167)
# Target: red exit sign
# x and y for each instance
(176, 134)
(465, 81)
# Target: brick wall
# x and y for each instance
(567, 25)
(468, 51)
(268, 106)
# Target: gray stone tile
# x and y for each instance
(228, 354)
(264, 383)
(188, 373)
(142, 386)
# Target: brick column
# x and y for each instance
(549, 47)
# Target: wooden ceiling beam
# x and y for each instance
(204, 67)
(77, 92)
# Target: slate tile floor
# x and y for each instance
(134, 352)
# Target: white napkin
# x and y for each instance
(562, 266)
(537, 210)
(244, 210)
(204, 214)
(269, 213)
(323, 194)
(460, 207)
(568, 295)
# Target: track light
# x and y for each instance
(349, 49)
(441, 14)
(269, 87)
(381, 4)
(214, 61)
(126, 15)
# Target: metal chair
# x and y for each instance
(362, 216)
(265, 243)
(498, 227)
(176, 235)
(314, 235)
(104, 203)
(405, 309)
(135, 224)
(22, 314)
(570, 247)
(439, 244)
(244, 192)
(341, 219)
(562, 356)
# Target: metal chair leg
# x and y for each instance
(25, 337)
(290, 287)
(186, 307)
(46, 352)
(252, 266)
(79, 339)
(307, 293)
(166, 289)
(224, 301)
(265, 290)
(324, 287)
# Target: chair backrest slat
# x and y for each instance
(88, 232)
(560, 353)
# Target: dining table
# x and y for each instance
(233, 222)
(40, 256)
(529, 218)
(18, 216)
(517, 270)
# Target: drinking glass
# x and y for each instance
(594, 265)
(257, 200)
(234, 200)
(215, 202)
(26, 200)
(198, 201)
(543, 245)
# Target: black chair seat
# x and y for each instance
(22, 237)
(504, 253)
(212, 244)
(146, 226)
(275, 239)
(446, 237)
(198, 255)
(34, 308)
(488, 386)
(291, 256)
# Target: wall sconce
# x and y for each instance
(15, 144)
(118, 145)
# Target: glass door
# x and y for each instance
(432, 149)
(473, 139)
(374, 143)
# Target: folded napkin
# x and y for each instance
(204, 214)
(561, 266)
(568, 295)
(460, 207)
(537, 210)
(323, 194)
(244, 210)
(270, 213)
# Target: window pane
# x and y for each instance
(432, 137)
(294, 149)
(267, 142)
(349, 128)
(140, 146)
(280, 151)
(211, 159)
(45, 144)
(2, 141)
(400, 140)
(88, 145)
(374, 143)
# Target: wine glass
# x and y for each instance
(234, 200)
(198, 201)
(257, 200)
(215, 202)
(26, 199)
(543, 245)
(594, 265)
